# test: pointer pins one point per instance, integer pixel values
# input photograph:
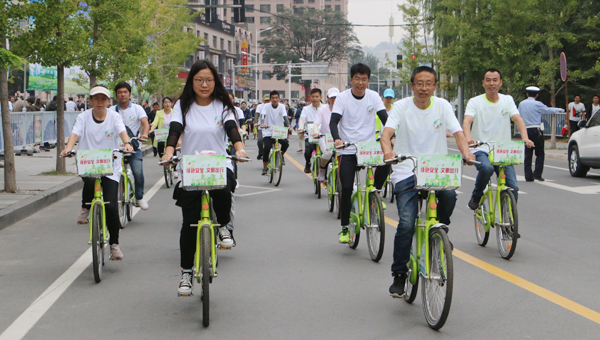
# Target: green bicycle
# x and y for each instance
(431, 255)
(506, 221)
(206, 256)
(126, 194)
(333, 186)
(315, 161)
(275, 165)
(366, 212)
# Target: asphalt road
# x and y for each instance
(289, 278)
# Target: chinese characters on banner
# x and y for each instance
(244, 57)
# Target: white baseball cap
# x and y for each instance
(333, 92)
(532, 89)
(99, 89)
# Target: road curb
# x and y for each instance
(20, 210)
(556, 157)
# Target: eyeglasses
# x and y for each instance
(359, 79)
(425, 85)
(200, 81)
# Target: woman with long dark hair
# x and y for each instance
(162, 120)
(204, 117)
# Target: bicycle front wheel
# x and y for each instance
(129, 192)
(97, 241)
(166, 172)
(437, 288)
(338, 197)
(410, 290)
(376, 227)
(354, 227)
(278, 168)
(122, 203)
(507, 232)
(391, 190)
(482, 216)
(206, 274)
(330, 192)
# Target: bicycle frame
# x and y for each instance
(128, 183)
(98, 197)
(271, 155)
(363, 209)
(205, 222)
(315, 167)
(494, 204)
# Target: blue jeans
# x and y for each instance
(486, 169)
(137, 168)
(407, 201)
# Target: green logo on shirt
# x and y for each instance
(437, 124)
(109, 134)
(370, 109)
(504, 113)
(218, 121)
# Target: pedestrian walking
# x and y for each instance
(531, 111)
(576, 111)
(595, 107)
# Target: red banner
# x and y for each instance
(244, 56)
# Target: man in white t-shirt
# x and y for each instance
(575, 112)
(490, 114)
(308, 115)
(135, 118)
(274, 114)
(321, 126)
(258, 118)
(420, 124)
(353, 121)
(71, 106)
(595, 107)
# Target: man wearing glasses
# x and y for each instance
(353, 121)
(420, 123)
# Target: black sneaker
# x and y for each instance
(259, 157)
(474, 203)
(307, 169)
(397, 288)
(539, 179)
(264, 172)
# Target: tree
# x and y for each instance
(8, 24)
(56, 38)
(293, 35)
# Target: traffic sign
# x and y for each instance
(563, 66)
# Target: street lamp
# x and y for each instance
(256, 57)
(313, 47)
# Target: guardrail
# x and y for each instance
(30, 128)
(547, 120)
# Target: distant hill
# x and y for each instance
(380, 50)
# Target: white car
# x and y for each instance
(584, 147)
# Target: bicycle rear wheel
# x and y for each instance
(437, 288)
(376, 227)
(129, 192)
(391, 190)
(271, 170)
(481, 216)
(330, 192)
(410, 290)
(166, 171)
(354, 226)
(338, 198)
(315, 173)
(122, 203)
(97, 241)
(278, 168)
(206, 274)
(507, 232)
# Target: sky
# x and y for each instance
(375, 12)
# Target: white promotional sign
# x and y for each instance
(508, 153)
(279, 132)
(161, 134)
(94, 162)
(369, 153)
(439, 171)
(204, 172)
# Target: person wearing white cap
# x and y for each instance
(321, 126)
(531, 111)
(99, 128)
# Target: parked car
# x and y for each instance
(584, 147)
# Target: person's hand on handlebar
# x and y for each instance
(264, 126)
(471, 141)
(64, 152)
(470, 157)
(166, 157)
(338, 142)
(241, 154)
(128, 147)
(390, 155)
(143, 138)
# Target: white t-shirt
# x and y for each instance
(103, 135)
(419, 131)
(273, 117)
(132, 116)
(309, 113)
(323, 119)
(358, 118)
(204, 128)
(167, 121)
(579, 110)
(491, 122)
(261, 116)
(71, 106)
(239, 112)
(595, 108)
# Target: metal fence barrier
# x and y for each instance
(29, 128)
(547, 120)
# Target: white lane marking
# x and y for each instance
(21, 326)
(566, 169)
(263, 191)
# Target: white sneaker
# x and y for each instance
(83, 217)
(142, 204)
(321, 176)
(176, 174)
(225, 237)
(186, 284)
(115, 252)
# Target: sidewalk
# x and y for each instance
(36, 190)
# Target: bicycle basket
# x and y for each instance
(204, 172)
(94, 163)
(438, 172)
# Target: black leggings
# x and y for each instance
(110, 190)
(268, 144)
(346, 171)
(308, 150)
(190, 203)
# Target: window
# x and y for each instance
(265, 8)
(206, 38)
(198, 33)
(224, 12)
(229, 46)
(214, 41)
(279, 8)
(250, 20)
(267, 92)
(298, 2)
(222, 43)
(298, 10)
(311, 1)
(266, 75)
(249, 8)
(311, 9)
(265, 20)
(296, 94)
(338, 7)
(328, 7)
